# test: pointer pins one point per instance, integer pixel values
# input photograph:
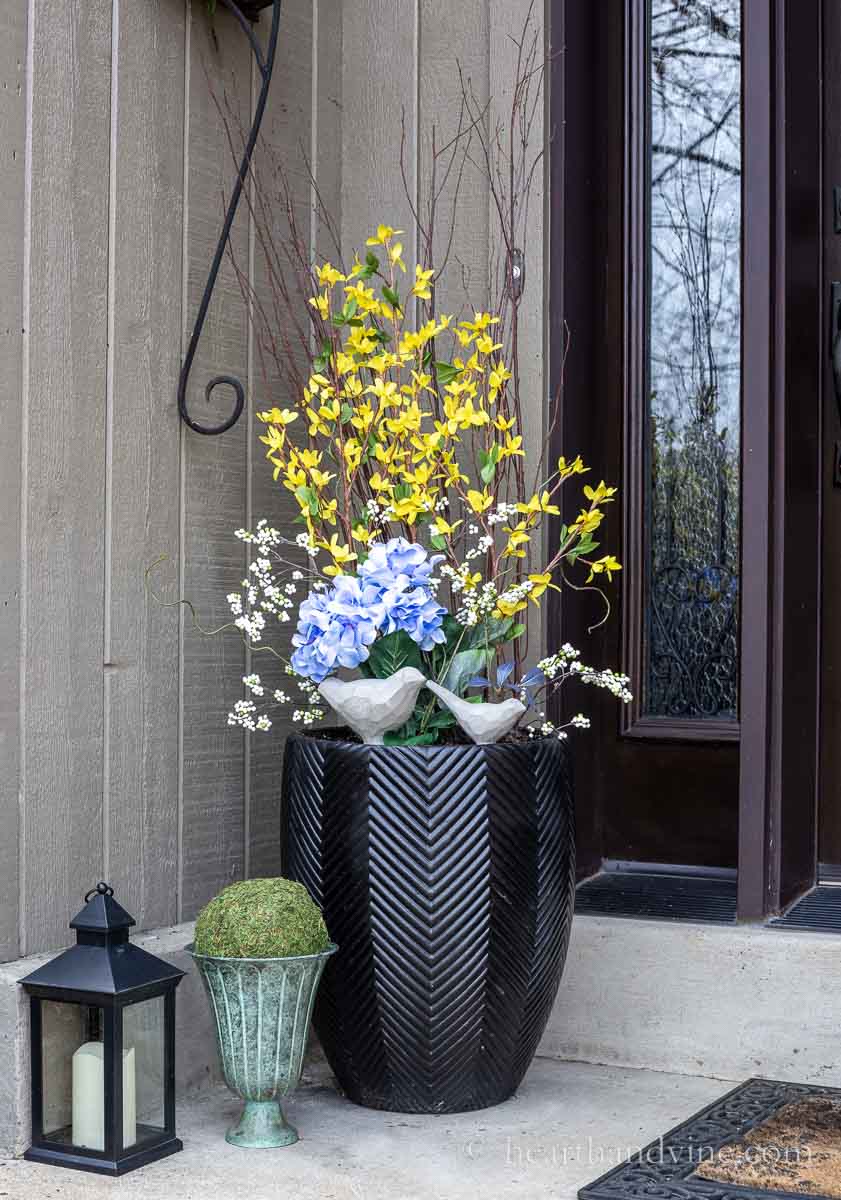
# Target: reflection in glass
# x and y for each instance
(143, 1039)
(693, 359)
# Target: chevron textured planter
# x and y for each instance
(446, 876)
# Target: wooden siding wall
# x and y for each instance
(115, 759)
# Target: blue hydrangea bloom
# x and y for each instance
(398, 565)
(336, 628)
(417, 613)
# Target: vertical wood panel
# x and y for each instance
(13, 25)
(379, 82)
(65, 455)
(215, 479)
(327, 102)
(141, 639)
(286, 141)
(453, 36)
(507, 19)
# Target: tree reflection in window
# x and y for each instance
(693, 359)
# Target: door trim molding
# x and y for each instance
(781, 455)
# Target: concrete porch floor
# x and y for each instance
(567, 1125)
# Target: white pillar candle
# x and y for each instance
(89, 1097)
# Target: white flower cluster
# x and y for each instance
(546, 729)
(265, 536)
(306, 716)
(482, 546)
(268, 591)
(561, 661)
(518, 592)
(566, 664)
(478, 603)
(615, 683)
(262, 594)
(245, 715)
(502, 512)
(458, 577)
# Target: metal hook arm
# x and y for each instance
(265, 66)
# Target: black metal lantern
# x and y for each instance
(103, 1048)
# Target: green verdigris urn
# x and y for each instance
(262, 1004)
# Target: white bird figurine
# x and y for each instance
(374, 706)
(483, 723)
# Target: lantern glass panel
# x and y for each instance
(144, 1049)
(72, 1074)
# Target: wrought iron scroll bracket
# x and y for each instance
(265, 65)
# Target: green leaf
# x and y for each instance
(446, 372)
(437, 542)
(454, 632)
(441, 720)
(493, 631)
(487, 463)
(321, 361)
(403, 491)
(346, 413)
(371, 260)
(307, 496)
(417, 739)
(463, 667)
(392, 652)
(392, 297)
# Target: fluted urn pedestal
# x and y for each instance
(446, 875)
(262, 1009)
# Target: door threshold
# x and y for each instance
(659, 892)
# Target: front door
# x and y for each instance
(665, 293)
(689, 204)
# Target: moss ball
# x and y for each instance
(261, 918)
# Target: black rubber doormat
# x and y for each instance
(659, 896)
(818, 910)
(667, 1168)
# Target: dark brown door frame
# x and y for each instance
(782, 363)
(782, 454)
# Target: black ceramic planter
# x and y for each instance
(446, 876)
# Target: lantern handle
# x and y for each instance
(101, 889)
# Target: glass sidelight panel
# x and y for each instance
(693, 353)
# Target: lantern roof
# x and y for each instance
(103, 960)
(102, 913)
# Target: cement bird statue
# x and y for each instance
(483, 723)
(372, 707)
